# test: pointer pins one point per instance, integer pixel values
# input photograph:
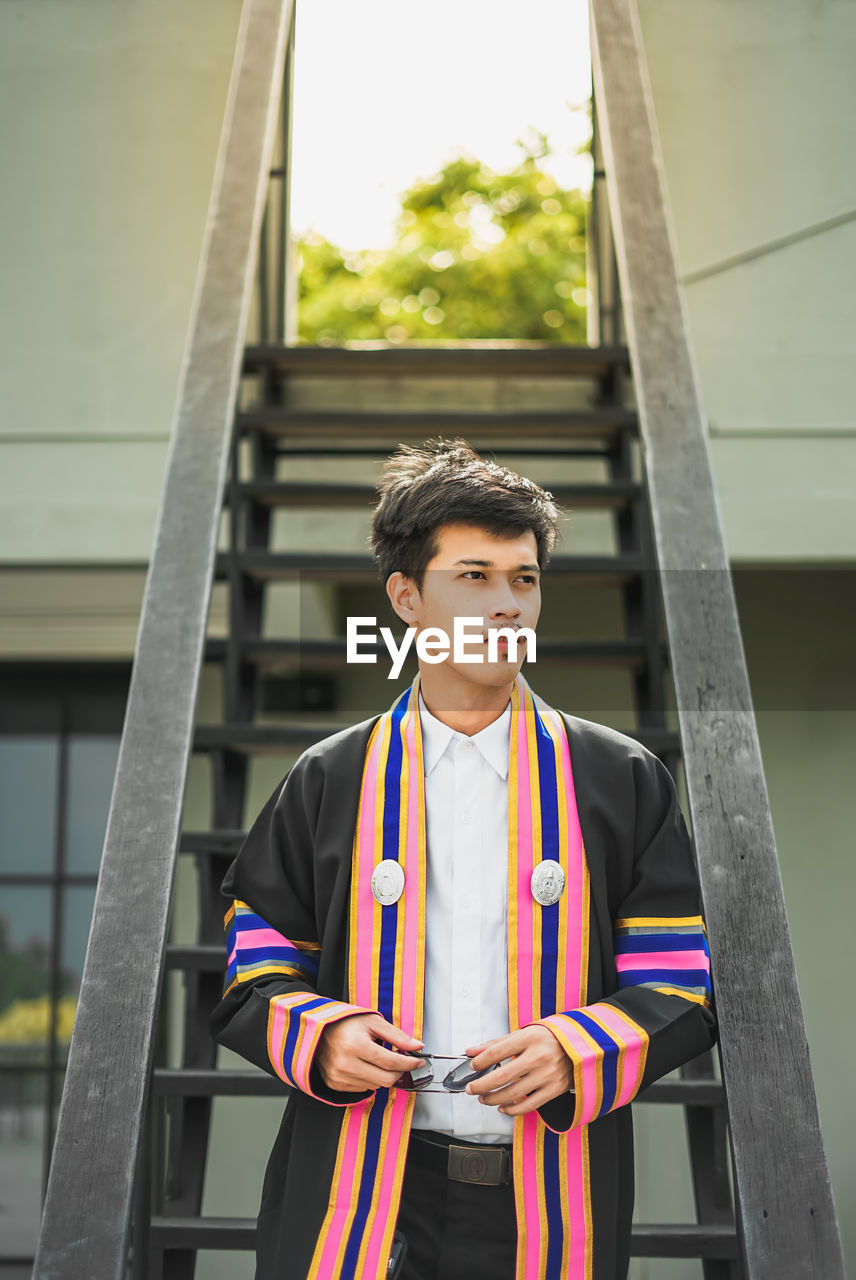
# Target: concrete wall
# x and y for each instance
(754, 105)
(110, 116)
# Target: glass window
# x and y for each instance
(29, 769)
(91, 766)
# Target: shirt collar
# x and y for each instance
(492, 741)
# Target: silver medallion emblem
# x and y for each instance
(548, 882)
(387, 882)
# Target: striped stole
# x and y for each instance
(547, 972)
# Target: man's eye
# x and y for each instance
(528, 577)
(469, 571)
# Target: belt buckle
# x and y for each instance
(476, 1164)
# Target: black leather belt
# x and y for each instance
(487, 1166)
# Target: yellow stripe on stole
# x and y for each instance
(639, 1031)
(355, 1191)
(685, 995)
(377, 854)
(355, 847)
(542, 1198)
(537, 845)
(513, 835)
(382, 1145)
(286, 970)
(665, 922)
(564, 861)
(403, 814)
(622, 1050)
(517, 1169)
(589, 1258)
(419, 1004)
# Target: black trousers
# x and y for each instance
(455, 1230)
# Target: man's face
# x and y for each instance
(475, 574)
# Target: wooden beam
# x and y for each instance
(86, 1220)
(783, 1188)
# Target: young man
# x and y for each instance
(472, 873)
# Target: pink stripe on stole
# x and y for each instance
(363, 994)
(261, 938)
(232, 955)
(576, 985)
(411, 881)
(630, 1067)
(342, 1190)
(577, 1191)
(528, 1142)
(525, 959)
(280, 1026)
(386, 1164)
(576, 982)
(661, 960)
(590, 1067)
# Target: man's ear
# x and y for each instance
(403, 596)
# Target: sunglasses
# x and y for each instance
(455, 1081)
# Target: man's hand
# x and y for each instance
(351, 1058)
(540, 1070)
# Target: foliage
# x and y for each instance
(477, 255)
(28, 1021)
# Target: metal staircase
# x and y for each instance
(270, 429)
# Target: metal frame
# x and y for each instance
(784, 1195)
(86, 1220)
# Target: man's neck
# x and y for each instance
(465, 707)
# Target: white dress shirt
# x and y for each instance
(466, 947)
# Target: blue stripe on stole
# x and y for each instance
(549, 849)
(249, 957)
(391, 815)
(553, 1205)
(636, 943)
(609, 1068)
(367, 1182)
(668, 977)
(294, 1019)
(248, 920)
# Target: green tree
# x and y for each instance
(477, 254)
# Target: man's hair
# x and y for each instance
(439, 482)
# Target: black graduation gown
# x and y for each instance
(294, 871)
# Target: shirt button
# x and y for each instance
(468, 746)
(464, 992)
(465, 817)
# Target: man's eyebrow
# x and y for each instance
(488, 564)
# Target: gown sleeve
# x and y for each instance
(662, 1011)
(272, 1011)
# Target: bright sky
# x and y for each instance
(387, 91)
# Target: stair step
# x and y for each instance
(353, 567)
(615, 495)
(695, 1093)
(482, 360)
(484, 430)
(684, 1240)
(255, 738)
(648, 1240)
(193, 1083)
(203, 1233)
(199, 957)
(212, 843)
(196, 1082)
(271, 655)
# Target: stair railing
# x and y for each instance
(86, 1220)
(782, 1188)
